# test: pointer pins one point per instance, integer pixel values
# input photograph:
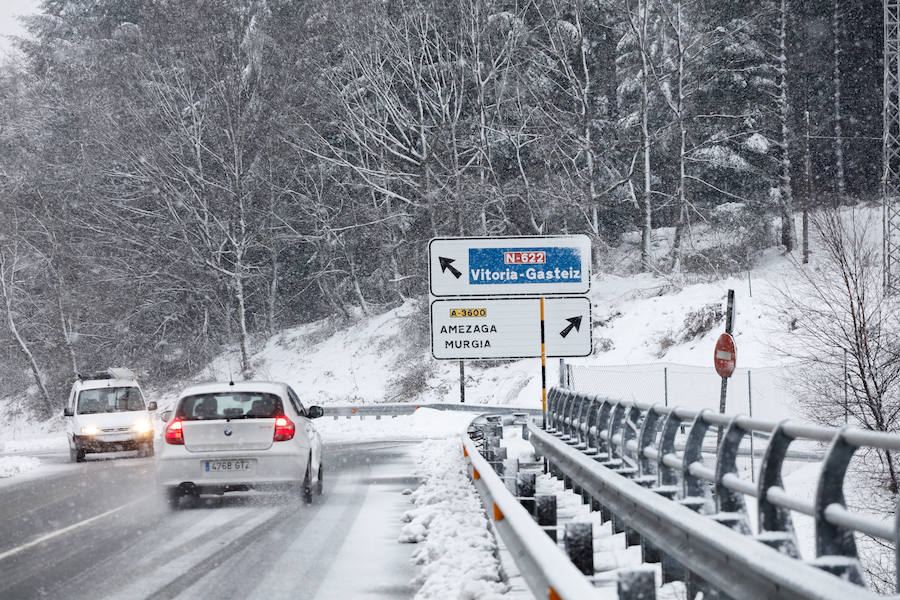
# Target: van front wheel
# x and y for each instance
(76, 453)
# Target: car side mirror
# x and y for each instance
(68, 412)
(314, 412)
(152, 406)
(164, 416)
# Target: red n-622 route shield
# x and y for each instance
(725, 356)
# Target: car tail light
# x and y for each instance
(284, 429)
(175, 433)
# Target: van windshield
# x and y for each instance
(110, 399)
(230, 405)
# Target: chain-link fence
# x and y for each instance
(763, 393)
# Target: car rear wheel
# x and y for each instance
(174, 495)
(307, 485)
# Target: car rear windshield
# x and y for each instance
(109, 399)
(230, 405)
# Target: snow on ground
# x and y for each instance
(457, 553)
(13, 465)
(422, 424)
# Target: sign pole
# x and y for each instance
(729, 327)
(462, 382)
(543, 370)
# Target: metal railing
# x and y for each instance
(404, 408)
(546, 569)
(623, 454)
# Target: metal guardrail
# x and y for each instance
(546, 569)
(625, 458)
(401, 408)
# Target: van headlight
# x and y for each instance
(89, 430)
(142, 426)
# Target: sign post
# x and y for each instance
(487, 294)
(543, 371)
(725, 357)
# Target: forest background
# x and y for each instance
(180, 175)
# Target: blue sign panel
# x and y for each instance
(525, 265)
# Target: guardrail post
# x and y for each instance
(566, 417)
(525, 486)
(552, 400)
(545, 513)
(669, 478)
(590, 427)
(728, 501)
(668, 487)
(578, 439)
(636, 584)
(603, 453)
(897, 546)
(647, 471)
(774, 518)
(521, 419)
(497, 460)
(697, 495)
(613, 424)
(579, 542)
(631, 426)
(698, 587)
(833, 541)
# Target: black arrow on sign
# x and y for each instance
(573, 322)
(446, 264)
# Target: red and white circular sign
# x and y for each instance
(725, 357)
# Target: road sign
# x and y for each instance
(525, 266)
(509, 328)
(725, 356)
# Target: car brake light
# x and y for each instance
(284, 429)
(175, 433)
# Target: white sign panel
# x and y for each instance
(510, 328)
(526, 266)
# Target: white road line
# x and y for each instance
(59, 532)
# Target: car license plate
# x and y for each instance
(218, 466)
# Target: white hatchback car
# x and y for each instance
(224, 437)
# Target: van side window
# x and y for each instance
(298, 406)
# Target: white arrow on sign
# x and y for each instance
(509, 328)
(523, 266)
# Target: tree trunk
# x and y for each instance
(242, 318)
(273, 292)
(6, 291)
(646, 216)
(806, 187)
(788, 236)
(682, 168)
(67, 338)
(840, 182)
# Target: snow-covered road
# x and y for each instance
(98, 530)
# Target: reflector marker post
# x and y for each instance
(543, 370)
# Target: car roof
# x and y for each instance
(269, 387)
(93, 384)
